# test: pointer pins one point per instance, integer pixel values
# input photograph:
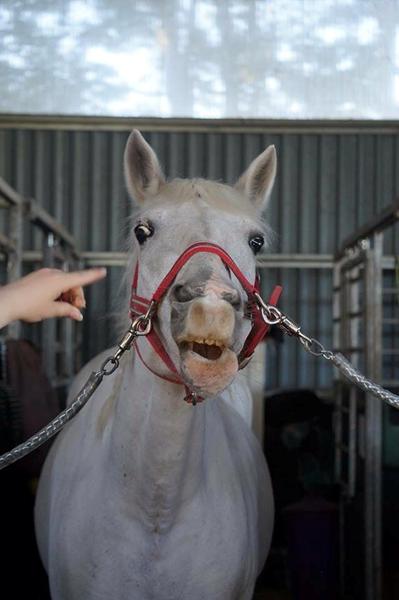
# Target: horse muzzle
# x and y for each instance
(204, 330)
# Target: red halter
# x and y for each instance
(140, 305)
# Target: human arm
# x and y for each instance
(46, 293)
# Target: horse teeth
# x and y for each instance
(190, 340)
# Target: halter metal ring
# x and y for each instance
(271, 315)
(141, 325)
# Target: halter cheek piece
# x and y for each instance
(140, 305)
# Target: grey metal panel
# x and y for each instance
(330, 181)
(346, 205)
(327, 189)
(366, 178)
(285, 199)
(386, 184)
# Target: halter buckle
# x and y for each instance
(192, 398)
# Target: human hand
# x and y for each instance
(46, 293)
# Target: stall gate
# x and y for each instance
(59, 339)
(364, 314)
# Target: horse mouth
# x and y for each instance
(209, 349)
(208, 365)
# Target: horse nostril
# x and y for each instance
(183, 293)
(232, 298)
(236, 304)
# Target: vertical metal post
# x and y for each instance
(337, 316)
(67, 340)
(338, 284)
(14, 267)
(348, 273)
(354, 342)
(373, 348)
(78, 331)
(49, 330)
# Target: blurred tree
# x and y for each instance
(225, 58)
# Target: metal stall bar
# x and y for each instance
(12, 245)
(280, 261)
(60, 345)
(373, 360)
(58, 251)
(347, 313)
(358, 297)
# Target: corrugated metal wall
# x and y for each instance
(329, 182)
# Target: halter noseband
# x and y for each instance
(140, 305)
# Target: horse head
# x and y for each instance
(203, 318)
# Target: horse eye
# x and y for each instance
(142, 232)
(256, 243)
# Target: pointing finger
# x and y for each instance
(80, 278)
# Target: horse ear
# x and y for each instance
(143, 174)
(257, 181)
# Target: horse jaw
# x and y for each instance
(209, 377)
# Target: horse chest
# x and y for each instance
(105, 543)
(205, 554)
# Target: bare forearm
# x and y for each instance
(45, 294)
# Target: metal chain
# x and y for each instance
(140, 326)
(349, 371)
(56, 424)
(273, 316)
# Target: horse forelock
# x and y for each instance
(211, 193)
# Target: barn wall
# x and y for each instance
(332, 178)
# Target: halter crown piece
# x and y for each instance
(140, 305)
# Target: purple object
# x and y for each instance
(312, 536)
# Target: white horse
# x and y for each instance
(144, 496)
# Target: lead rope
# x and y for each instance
(142, 326)
(273, 316)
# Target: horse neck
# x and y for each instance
(157, 440)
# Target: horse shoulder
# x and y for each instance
(57, 470)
